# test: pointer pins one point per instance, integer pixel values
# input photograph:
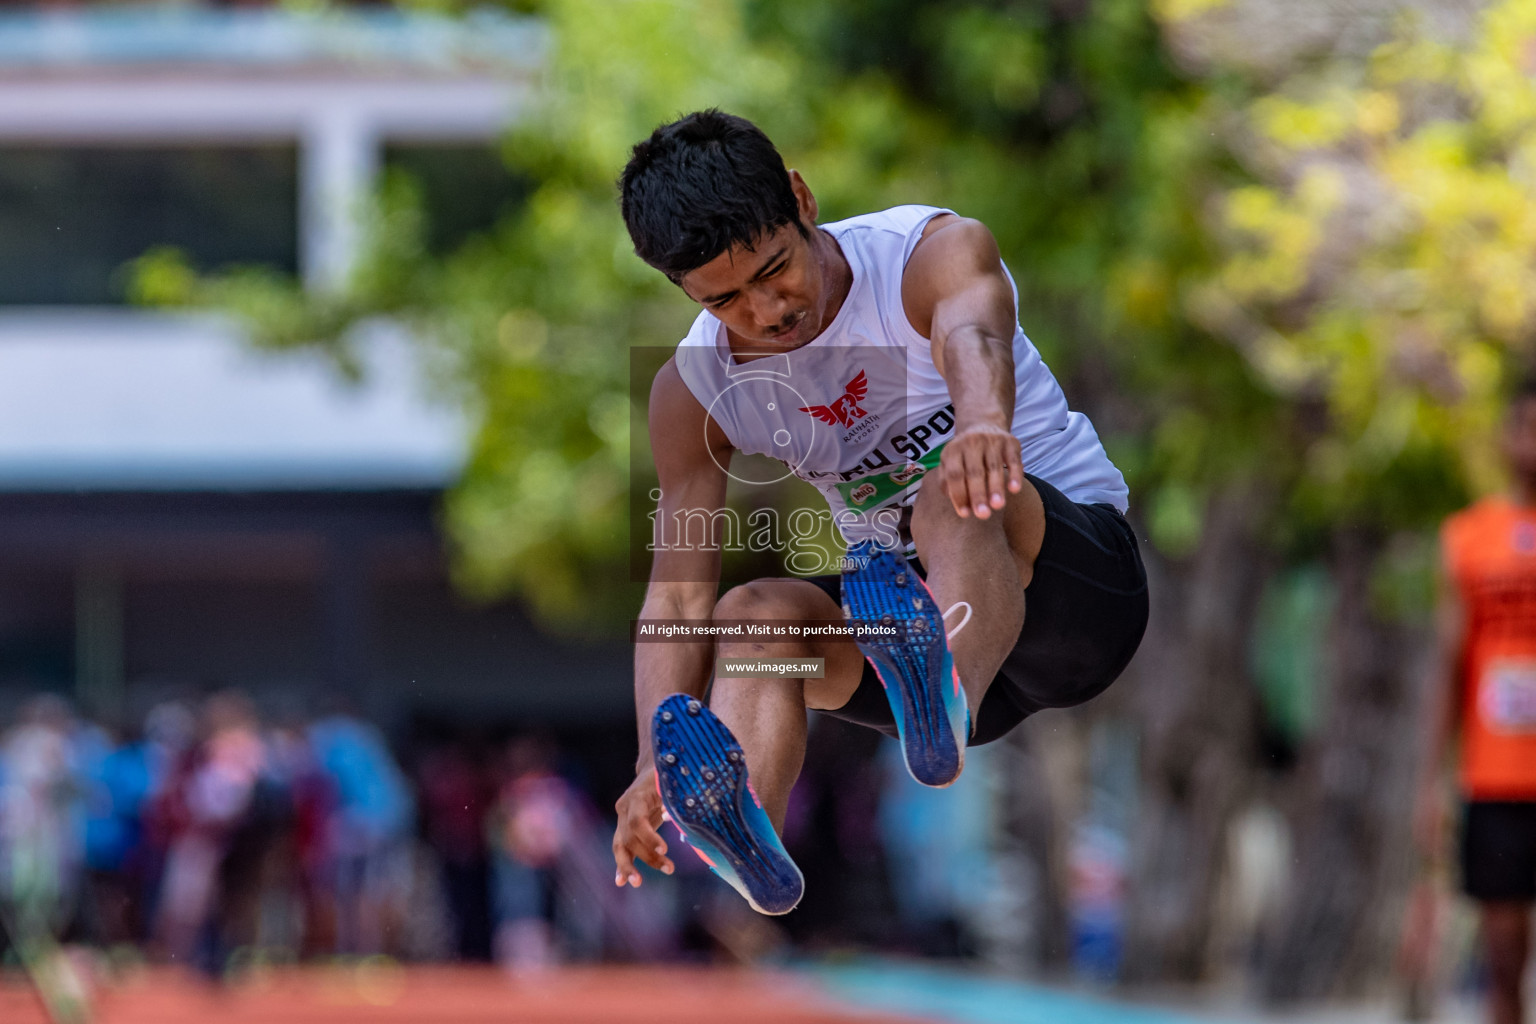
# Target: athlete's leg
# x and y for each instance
(767, 714)
(986, 562)
(1507, 944)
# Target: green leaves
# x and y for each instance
(1318, 280)
(1383, 262)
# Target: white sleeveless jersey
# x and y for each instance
(860, 411)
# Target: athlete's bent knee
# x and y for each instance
(759, 599)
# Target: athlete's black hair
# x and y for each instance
(700, 185)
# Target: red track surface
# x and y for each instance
(454, 995)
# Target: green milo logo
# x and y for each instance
(873, 491)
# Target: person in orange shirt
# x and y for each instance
(1484, 708)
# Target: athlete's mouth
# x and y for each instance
(789, 326)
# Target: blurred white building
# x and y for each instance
(329, 89)
(178, 511)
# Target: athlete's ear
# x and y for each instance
(804, 198)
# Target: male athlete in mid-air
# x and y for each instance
(881, 359)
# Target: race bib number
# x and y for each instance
(1508, 696)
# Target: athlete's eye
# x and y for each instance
(775, 269)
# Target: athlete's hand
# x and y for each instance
(979, 467)
(636, 837)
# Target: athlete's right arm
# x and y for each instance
(691, 453)
(1443, 711)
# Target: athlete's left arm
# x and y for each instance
(957, 295)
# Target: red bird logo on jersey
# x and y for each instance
(846, 410)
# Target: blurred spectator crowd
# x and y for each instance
(209, 837)
(216, 838)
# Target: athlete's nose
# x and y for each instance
(771, 308)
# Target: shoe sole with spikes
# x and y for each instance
(701, 774)
(913, 662)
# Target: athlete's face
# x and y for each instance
(777, 292)
(1520, 438)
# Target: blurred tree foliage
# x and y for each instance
(1062, 126)
(1379, 266)
(1376, 272)
(1308, 271)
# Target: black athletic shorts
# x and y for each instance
(1498, 850)
(1084, 613)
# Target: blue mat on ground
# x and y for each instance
(966, 998)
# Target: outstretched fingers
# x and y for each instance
(636, 838)
(980, 470)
